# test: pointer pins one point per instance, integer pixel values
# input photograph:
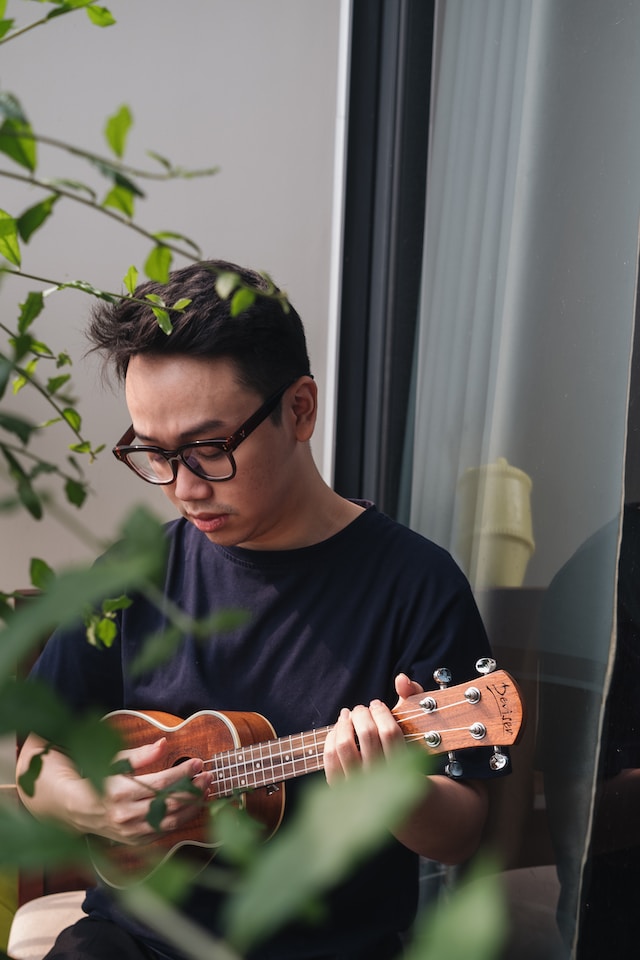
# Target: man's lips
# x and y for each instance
(208, 522)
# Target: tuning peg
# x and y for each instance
(453, 768)
(442, 677)
(486, 665)
(498, 759)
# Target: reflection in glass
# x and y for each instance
(525, 332)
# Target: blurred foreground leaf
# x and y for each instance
(27, 843)
(332, 831)
(468, 924)
(136, 559)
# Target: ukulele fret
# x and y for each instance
(261, 764)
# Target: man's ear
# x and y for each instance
(303, 403)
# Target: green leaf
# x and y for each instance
(9, 246)
(30, 309)
(54, 383)
(75, 492)
(73, 418)
(116, 175)
(157, 811)
(5, 26)
(63, 359)
(17, 425)
(29, 498)
(158, 264)
(27, 705)
(24, 489)
(158, 806)
(222, 621)
(106, 631)
(100, 16)
(92, 746)
(470, 923)
(136, 559)
(130, 279)
(17, 142)
(33, 844)
(117, 129)
(6, 368)
(33, 218)
(181, 304)
(226, 283)
(163, 318)
(120, 198)
(156, 649)
(113, 604)
(331, 831)
(242, 300)
(11, 108)
(40, 573)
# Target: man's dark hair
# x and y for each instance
(266, 342)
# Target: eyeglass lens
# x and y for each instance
(207, 461)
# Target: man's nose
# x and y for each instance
(188, 486)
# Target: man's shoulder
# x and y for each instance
(392, 534)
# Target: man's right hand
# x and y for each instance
(121, 812)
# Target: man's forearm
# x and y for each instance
(57, 781)
(447, 824)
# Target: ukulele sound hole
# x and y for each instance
(179, 761)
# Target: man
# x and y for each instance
(347, 609)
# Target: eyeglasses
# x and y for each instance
(208, 459)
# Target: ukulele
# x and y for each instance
(249, 763)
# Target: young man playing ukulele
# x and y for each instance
(347, 612)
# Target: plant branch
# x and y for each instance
(123, 221)
(39, 23)
(45, 393)
(24, 452)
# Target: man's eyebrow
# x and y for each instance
(207, 430)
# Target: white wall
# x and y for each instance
(248, 85)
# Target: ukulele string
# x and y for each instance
(260, 762)
(406, 716)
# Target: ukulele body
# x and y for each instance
(203, 735)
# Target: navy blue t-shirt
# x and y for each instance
(329, 626)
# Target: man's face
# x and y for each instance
(176, 399)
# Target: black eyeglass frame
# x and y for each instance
(175, 457)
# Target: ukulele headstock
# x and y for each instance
(485, 711)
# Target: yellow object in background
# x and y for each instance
(494, 538)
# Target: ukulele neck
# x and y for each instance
(264, 764)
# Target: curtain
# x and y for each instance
(479, 128)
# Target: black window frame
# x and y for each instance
(387, 147)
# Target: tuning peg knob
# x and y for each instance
(454, 768)
(498, 759)
(486, 665)
(442, 677)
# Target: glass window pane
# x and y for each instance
(515, 456)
